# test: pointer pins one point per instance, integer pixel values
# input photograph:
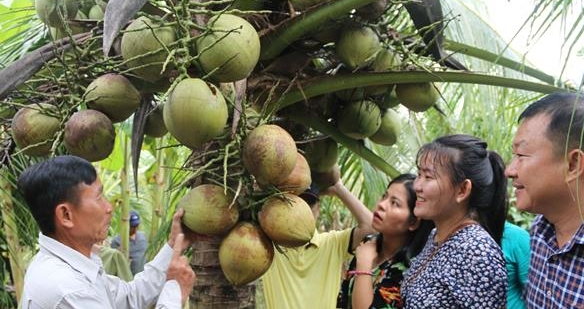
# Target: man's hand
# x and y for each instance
(180, 269)
(178, 227)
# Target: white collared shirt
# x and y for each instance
(60, 277)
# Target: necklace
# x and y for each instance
(418, 271)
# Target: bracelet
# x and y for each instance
(359, 272)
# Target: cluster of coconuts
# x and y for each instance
(269, 154)
(195, 111)
(367, 112)
(88, 133)
(59, 14)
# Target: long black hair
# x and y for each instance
(466, 157)
(417, 238)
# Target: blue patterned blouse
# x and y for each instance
(466, 271)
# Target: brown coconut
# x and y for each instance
(209, 210)
(245, 254)
(299, 179)
(89, 134)
(154, 126)
(113, 95)
(195, 112)
(36, 124)
(269, 153)
(324, 180)
(287, 220)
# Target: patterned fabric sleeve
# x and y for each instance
(386, 287)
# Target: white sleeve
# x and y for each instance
(171, 296)
(147, 285)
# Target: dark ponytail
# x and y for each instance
(492, 218)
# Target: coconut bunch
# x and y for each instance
(69, 17)
(280, 173)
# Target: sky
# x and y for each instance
(507, 16)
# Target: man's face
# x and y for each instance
(537, 170)
(92, 214)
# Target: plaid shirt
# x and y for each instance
(556, 275)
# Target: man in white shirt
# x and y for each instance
(65, 197)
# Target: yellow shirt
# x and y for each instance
(308, 276)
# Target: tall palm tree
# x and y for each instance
(469, 103)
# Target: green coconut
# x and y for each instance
(113, 95)
(245, 254)
(96, 12)
(389, 130)
(359, 119)
(209, 210)
(89, 134)
(386, 60)
(287, 220)
(387, 100)
(36, 125)
(195, 112)
(144, 36)
(269, 153)
(417, 97)
(230, 50)
(49, 11)
(357, 47)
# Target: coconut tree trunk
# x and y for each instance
(16, 256)
(212, 290)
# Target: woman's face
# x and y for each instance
(392, 216)
(434, 190)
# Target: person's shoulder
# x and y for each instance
(514, 230)
(52, 276)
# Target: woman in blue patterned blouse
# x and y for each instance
(462, 188)
(375, 274)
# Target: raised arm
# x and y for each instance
(363, 215)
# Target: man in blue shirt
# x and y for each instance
(547, 172)
(138, 244)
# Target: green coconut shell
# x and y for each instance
(195, 112)
(113, 95)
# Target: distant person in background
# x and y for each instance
(114, 262)
(515, 244)
(138, 244)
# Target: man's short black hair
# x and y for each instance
(51, 182)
